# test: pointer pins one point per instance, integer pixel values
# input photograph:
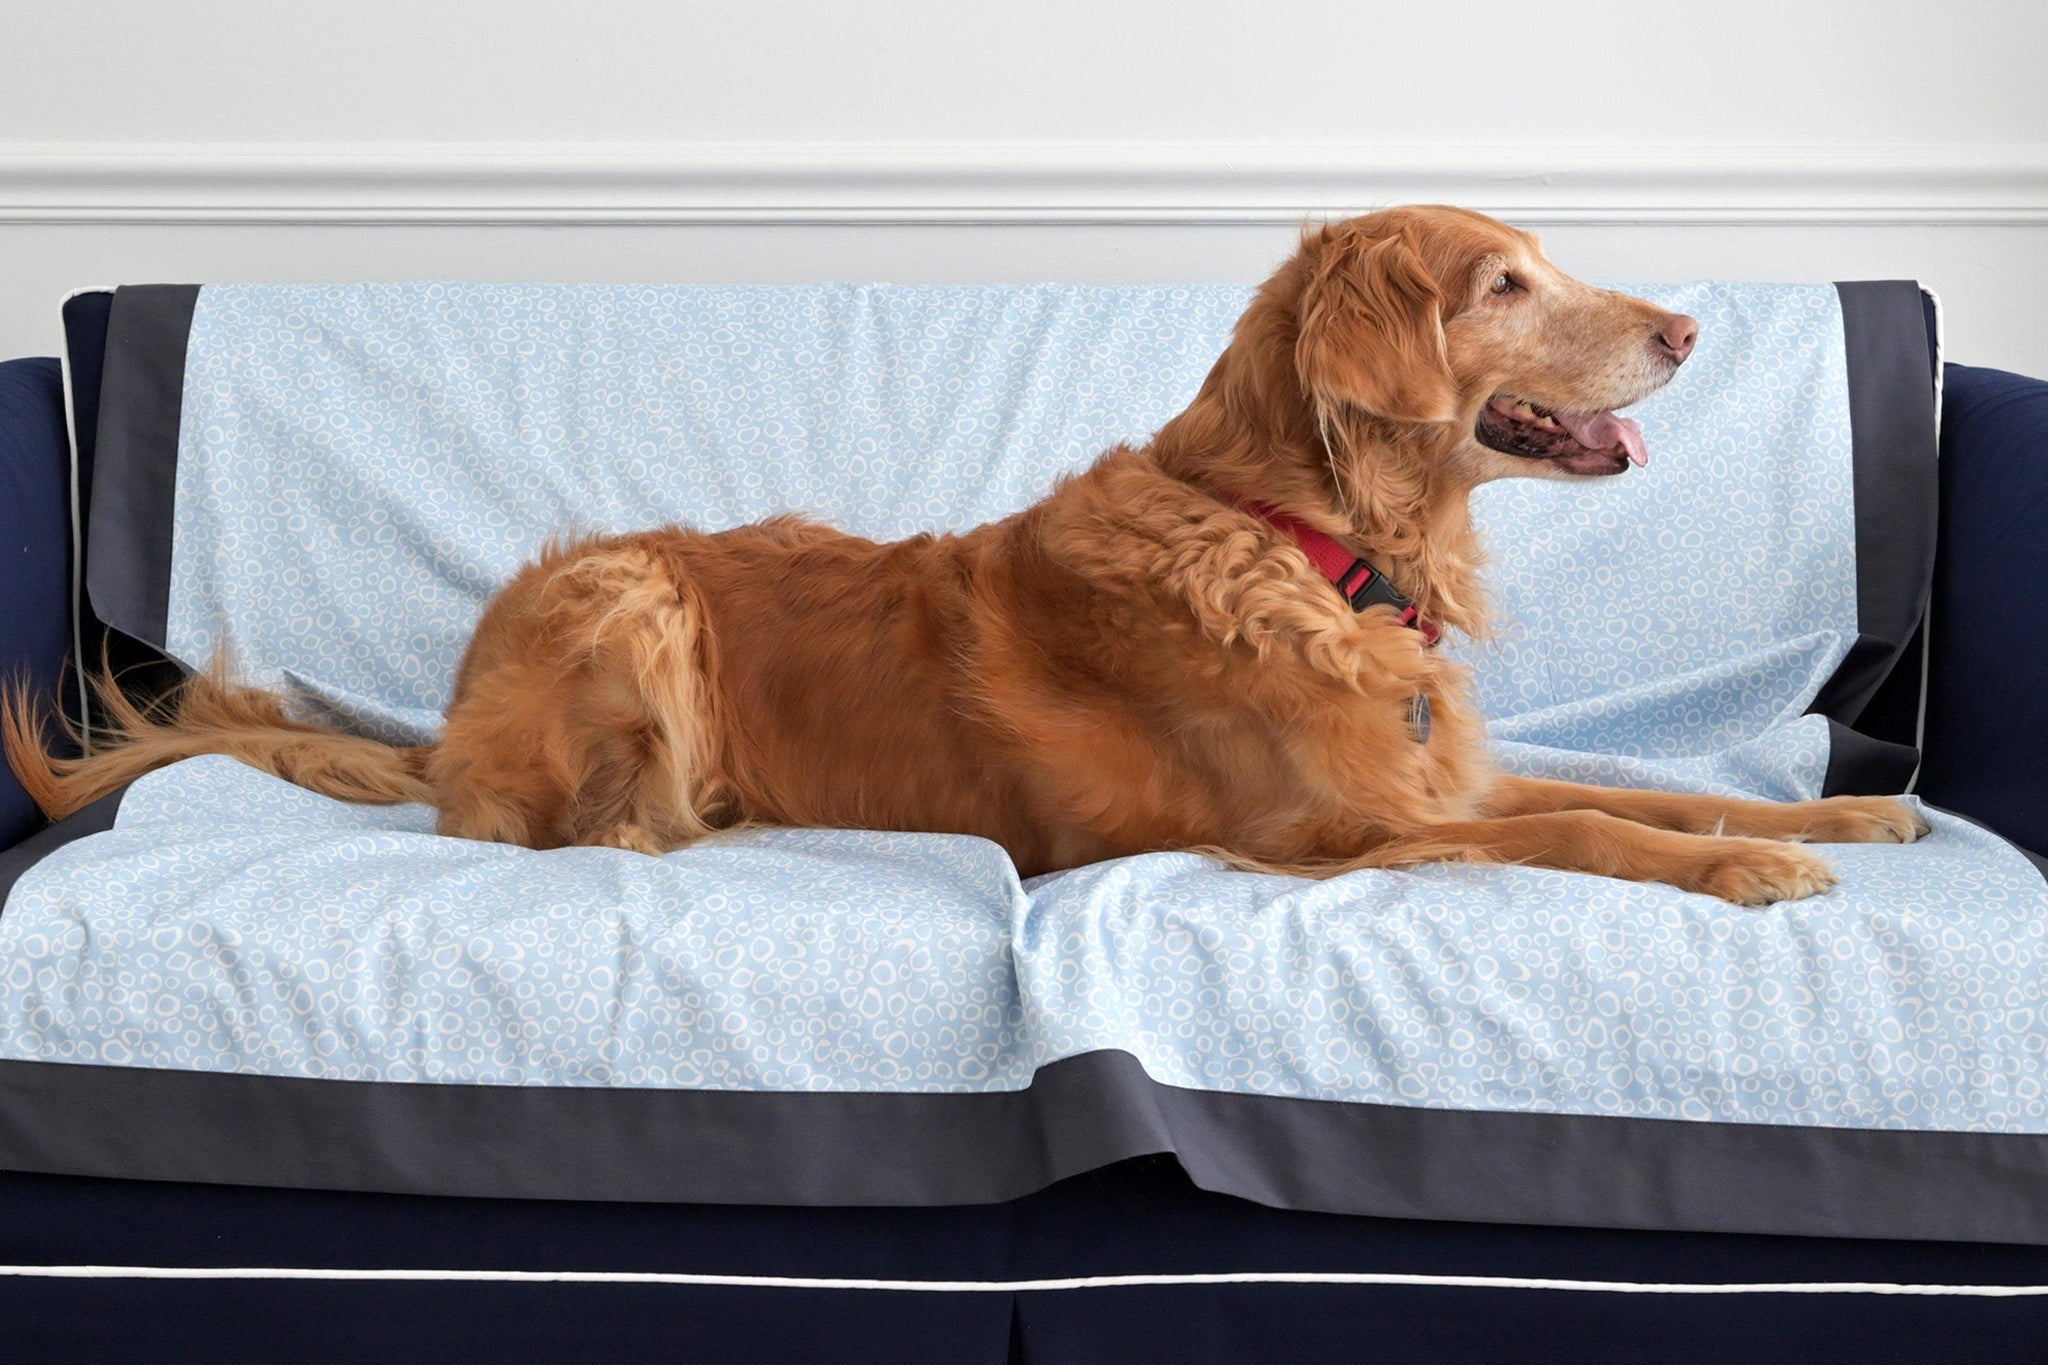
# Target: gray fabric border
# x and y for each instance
(1079, 1114)
(135, 465)
(1892, 434)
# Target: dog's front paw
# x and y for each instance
(1759, 872)
(1860, 820)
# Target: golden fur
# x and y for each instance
(1130, 664)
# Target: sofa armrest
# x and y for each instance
(1987, 685)
(35, 550)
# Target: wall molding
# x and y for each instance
(1021, 183)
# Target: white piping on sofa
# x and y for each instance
(1317, 1277)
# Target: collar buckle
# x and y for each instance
(1364, 586)
(1358, 581)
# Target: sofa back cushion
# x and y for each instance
(1987, 700)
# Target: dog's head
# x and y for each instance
(1455, 326)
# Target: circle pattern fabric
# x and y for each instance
(233, 922)
(361, 465)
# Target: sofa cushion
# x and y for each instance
(845, 1017)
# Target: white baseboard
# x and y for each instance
(1012, 183)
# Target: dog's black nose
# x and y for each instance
(1677, 335)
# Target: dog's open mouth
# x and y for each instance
(1593, 443)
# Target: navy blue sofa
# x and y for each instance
(1984, 737)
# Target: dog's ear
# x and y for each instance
(1372, 332)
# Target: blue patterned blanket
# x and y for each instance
(358, 467)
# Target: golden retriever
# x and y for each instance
(1148, 658)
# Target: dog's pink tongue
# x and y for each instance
(1605, 431)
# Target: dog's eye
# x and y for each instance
(1505, 284)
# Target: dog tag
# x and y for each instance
(1418, 718)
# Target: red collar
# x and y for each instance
(1361, 584)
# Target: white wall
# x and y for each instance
(1101, 140)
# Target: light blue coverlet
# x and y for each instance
(360, 466)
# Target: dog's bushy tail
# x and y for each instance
(206, 714)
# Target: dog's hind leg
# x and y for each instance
(585, 712)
